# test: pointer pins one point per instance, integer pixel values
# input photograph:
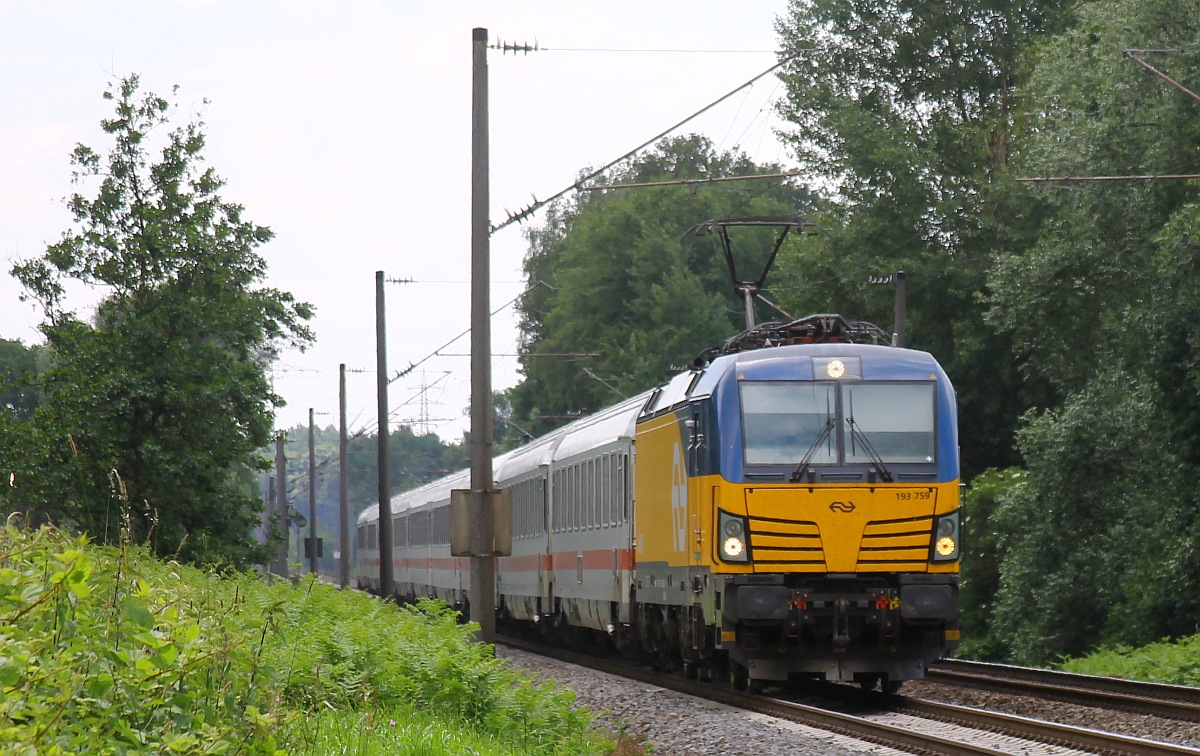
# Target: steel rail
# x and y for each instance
(1170, 701)
(1039, 730)
(865, 729)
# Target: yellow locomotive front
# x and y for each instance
(797, 515)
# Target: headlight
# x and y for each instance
(946, 546)
(945, 539)
(733, 547)
(732, 530)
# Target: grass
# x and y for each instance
(110, 651)
(401, 732)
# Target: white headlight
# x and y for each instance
(733, 547)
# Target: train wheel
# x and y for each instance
(691, 670)
(890, 687)
(869, 682)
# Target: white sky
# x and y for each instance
(345, 127)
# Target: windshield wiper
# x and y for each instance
(857, 435)
(877, 461)
(798, 473)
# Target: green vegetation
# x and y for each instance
(1173, 663)
(108, 650)
(167, 385)
(628, 289)
(1066, 313)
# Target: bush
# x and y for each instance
(1175, 663)
(109, 651)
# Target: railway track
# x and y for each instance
(898, 722)
(1170, 701)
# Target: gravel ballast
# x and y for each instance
(674, 723)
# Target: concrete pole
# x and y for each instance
(387, 586)
(343, 485)
(281, 556)
(312, 497)
(483, 568)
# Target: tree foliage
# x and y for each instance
(1067, 319)
(906, 111)
(163, 398)
(18, 378)
(628, 296)
(1103, 305)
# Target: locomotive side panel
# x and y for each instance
(665, 528)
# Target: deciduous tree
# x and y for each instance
(163, 397)
(630, 297)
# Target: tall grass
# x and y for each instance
(109, 651)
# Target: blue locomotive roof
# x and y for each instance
(795, 363)
(806, 362)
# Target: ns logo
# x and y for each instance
(678, 499)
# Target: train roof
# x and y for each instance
(796, 362)
(414, 497)
(604, 427)
(786, 362)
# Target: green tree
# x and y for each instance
(1103, 304)
(905, 110)
(985, 543)
(629, 296)
(18, 378)
(164, 397)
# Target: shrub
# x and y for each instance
(110, 651)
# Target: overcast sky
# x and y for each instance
(346, 128)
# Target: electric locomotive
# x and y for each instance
(789, 508)
(798, 509)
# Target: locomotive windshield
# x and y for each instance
(831, 423)
(896, 420)
(783, 422)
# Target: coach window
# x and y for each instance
(527, 496)
(540, 507)
(577, 471)
(556, 502)
(362, 537)
(585, 483)
(527, 512)
(372, 537)
(582, 492)
(592, 499)
(573, 503)
(562, 496)
(562, 502)
(603, 490)
(580, 501)
(519, 510)
(441, 526)
(610, 490)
